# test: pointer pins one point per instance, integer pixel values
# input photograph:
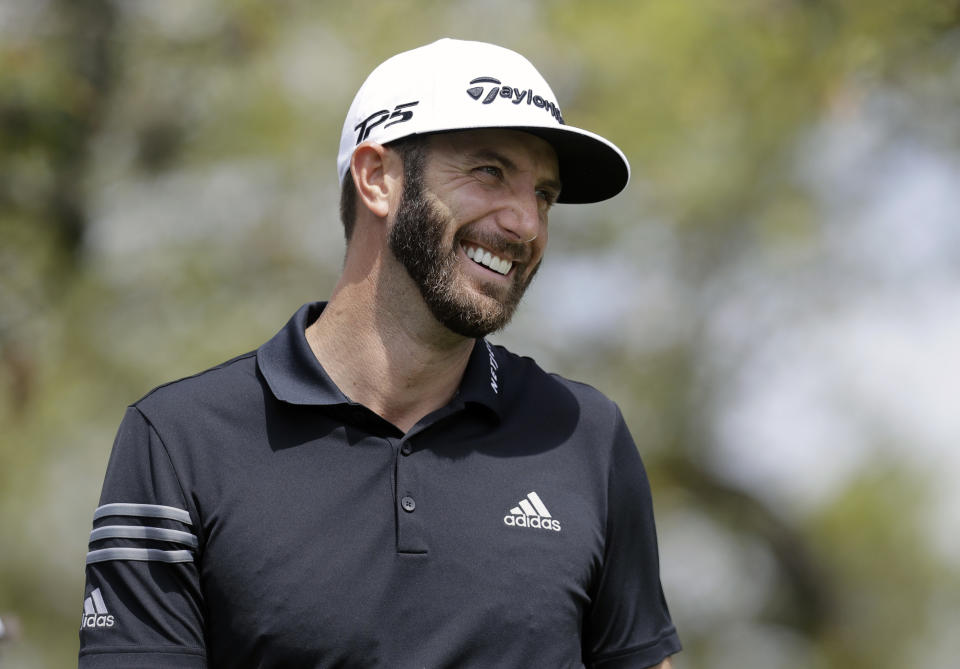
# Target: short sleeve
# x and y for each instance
(142, 603)
(628, 624)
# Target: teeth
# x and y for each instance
(486, 259)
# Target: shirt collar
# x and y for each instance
(291, 369)
(295, 376)
(483, 378)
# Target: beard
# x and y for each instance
(416, 240)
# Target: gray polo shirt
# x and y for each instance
(254, 516)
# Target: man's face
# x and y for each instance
(471, 226)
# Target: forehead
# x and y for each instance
(527, 152)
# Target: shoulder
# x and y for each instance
(225, 383)
(526, 384)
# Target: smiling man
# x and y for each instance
(378, 485)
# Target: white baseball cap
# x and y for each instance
(458, 85)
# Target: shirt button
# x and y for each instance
(408, 504)
(406, 449)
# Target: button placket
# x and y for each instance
(411, 531)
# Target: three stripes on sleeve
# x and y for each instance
(136, 525)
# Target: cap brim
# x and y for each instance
(591, 168)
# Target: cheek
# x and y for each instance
(467, 199)
(539, 249)
(467, 211)
(444, 216)
(540, 243)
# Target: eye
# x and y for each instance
(491, 170)
(547, 196)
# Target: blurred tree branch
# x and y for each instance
(51, 107)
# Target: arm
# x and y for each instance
(142, 603)
(628, 625)
(666, 664)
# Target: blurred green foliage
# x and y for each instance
(168, 198)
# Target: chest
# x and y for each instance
(365, 551)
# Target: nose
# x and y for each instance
(522, 215)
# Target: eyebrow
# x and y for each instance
(496, 157)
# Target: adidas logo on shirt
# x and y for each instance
(95, 612)
(531, 512)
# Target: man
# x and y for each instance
(377, 485)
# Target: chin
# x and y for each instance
(470, 313)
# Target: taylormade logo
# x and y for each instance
(95, 614)
(531, 512)
(500, 91)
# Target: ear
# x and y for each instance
(375, 174)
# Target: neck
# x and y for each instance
(383, 349)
